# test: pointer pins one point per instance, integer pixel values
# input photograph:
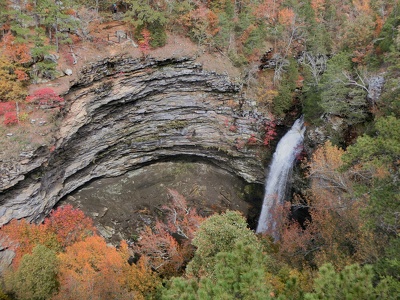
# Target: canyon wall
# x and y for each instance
(125, 113)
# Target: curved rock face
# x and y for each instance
(124, 113)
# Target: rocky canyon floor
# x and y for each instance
(122, 206)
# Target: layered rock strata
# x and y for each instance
(124, 113)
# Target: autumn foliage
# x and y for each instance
(45, 98)
(69, 224)
(269, 132)
(10, 118)
(87, 268)
(168, 244)
(91, 269)
(336, 233)
(12, 81)
(6, 107)
(15, 51)
(65, 226)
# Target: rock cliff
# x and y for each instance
(125, 113)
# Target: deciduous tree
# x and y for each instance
(91, 269)
(12, 84)
(36, 276)
(168, 244)
(148, 14)
(336, 232)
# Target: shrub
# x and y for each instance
(10, 118)
(6, 107)
(270, 132)
(45, 98)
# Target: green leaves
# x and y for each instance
(143, 15)
(340, 98)
(36, 276)
(284, 99)
(353, 282)
(228, 263)
(238, 273)
(219, 233)
(383, 149)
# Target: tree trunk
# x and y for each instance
(17, 110)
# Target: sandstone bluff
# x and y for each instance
(124, 113)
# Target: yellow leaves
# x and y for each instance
(11, 85)
(326, 157)
(140, 279)
(327, 180)
(266, 96)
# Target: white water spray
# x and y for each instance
(289, 147)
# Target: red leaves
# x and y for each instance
(270, 132)
(8, 110)
(252, 140)
(88, 267)
(69, 224)
(45, 98)
(6, 107)
(10, 118)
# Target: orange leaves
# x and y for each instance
(362, 6)
(22, 237)
(162, 250)
(91, 269)
(17, 52)
(88, 268)
(336, 233)
(64, 227)
(324, 172)
(202, 23)
(12, 87)
(286, 16)
(268, 9)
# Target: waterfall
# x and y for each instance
(280, 169)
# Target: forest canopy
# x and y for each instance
(335, 62)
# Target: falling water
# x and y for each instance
(289, 147)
